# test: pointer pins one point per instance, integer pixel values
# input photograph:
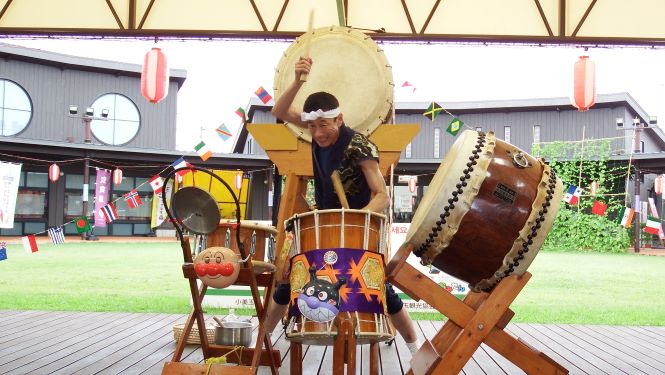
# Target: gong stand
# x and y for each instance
(293, 158)
(250, 358)
(480, 318)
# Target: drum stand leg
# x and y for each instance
(480, 318)
(344, 348)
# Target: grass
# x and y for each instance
(584, 288)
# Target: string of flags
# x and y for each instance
(433, 111)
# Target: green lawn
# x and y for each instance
(147, 277)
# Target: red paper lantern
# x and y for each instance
(238, 180)
(412, 184)
(584, 84)
(155, 76)
(53, 172)
(658, 184)
(117, 176)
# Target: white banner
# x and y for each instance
(10, 175)
(159, 211)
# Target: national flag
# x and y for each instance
(157, 183)
(181, 163)
(203, 150)
(3, 250)
(407, 84)
(241, 112)
(133, 199)
(29, 244)
(223, 132)
(263, 95)
(653, 225)
(455, 126)
(433, 111)
(599, 208)
(57, 235)
(82, 224)
(109, 212)
(626, 216)
(572, 195)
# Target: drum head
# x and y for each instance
(196, 210)
(347, 64)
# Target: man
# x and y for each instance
(338, 147)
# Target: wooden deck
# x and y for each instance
(43, 342)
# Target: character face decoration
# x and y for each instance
(217, 267)
(319, 300)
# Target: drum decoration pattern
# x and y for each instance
(347, 64)
(319, 300)
(487, 211)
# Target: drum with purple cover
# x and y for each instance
(486, 212)
(337, 265)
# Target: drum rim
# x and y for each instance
(383, 107)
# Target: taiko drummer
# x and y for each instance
(336, 146)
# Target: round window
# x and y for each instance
(122, 119)
(15, 109)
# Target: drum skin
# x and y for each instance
(247, 228)
(487, 211)
(347, 64)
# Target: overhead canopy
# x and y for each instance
(537, 21)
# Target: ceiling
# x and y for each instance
(635, 22)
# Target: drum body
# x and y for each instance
(252, 235)
(486, 212)
(340, 243)
(347, 64)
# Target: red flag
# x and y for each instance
(599, 208)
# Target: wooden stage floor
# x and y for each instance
(43, 342)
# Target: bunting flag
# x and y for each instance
(653, 225)
(156, 183)
(241, 112)
(133, 199)
(109, 212)
(407, 84)
(223, 132)
(572, 195)
(626, 217)
(263, 95)
(181, 163)
(82, 224)
(433, 111)
(455, 126)
(29, 244)
(599, 208)
(57, 235)
(3, 250)
(203, 150)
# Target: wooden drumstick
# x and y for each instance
(339, 189)
(306, 46)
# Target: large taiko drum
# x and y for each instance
(256, 237)
(486, 212)
(347, 64)
(338, 243)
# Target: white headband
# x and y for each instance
(311, 116)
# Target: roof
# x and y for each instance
(60, 60)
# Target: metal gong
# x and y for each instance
(196, 209)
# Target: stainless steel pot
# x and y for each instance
(233, 333)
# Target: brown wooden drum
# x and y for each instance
(330, 245)
(486, 212)
(347, 64)
(252, 234)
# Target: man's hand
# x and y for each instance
(303, 66)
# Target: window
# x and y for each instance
(31, 199)
(536, 134)
(15, 108)
(506, 134)
(437, 142)
(407, 151)
(123, 121)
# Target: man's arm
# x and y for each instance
(380, 200)
(283, 106)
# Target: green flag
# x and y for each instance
(455, 126)
(82, 224)
(433, 111)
